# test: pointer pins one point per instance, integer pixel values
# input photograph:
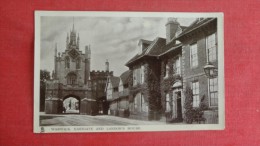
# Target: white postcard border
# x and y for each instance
(131, 128)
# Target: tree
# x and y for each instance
(44, 76)
(188, 105)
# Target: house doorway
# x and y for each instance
(179, 106)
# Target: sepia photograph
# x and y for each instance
(128, 71)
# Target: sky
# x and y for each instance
(111, 38)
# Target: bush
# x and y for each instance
(193, 114)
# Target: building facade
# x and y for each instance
(200, 49)
(118, 94)
(98, 85)
(72, 78)
(112, 94)
(163, 68)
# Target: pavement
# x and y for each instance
(87, 120)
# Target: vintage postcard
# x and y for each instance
(128, 71)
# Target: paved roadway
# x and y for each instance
(87, 120)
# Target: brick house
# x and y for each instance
(145, 80)
(156, 72)
(199, 42)
(164, 67)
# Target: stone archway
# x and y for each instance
(71, 104)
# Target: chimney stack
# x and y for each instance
(171, 29)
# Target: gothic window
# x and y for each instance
(78, 63)
(67, 62)
(71, 78)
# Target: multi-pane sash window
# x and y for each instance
(168, 106)
(135, 103)
(167, 68)
(138, 75)
(195, 92)
(213, 90)
(211, 47)
(142, 74)
(177, 66)
(134, 77)
(194, 55)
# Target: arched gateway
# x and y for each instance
(70, 78)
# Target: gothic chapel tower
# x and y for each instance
(72, 67)
(70, 76)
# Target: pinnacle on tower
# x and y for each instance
(78, 42)
(107, 65)
(55, 50)
(73, 25)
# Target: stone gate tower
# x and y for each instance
(70, 78)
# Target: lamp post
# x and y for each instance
(210, 70)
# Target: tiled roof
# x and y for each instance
(196, 24)
(114, 81)
(158, 47)
(170, 47)
(155, 48)
(125, 76)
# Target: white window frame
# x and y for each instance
(195, 92)
(177, 66)
(167, 68)
(134, 77)
(142, 74)
(213, 90)
(211, 47)
(194, 55)
(135, 104)
(167, 102)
